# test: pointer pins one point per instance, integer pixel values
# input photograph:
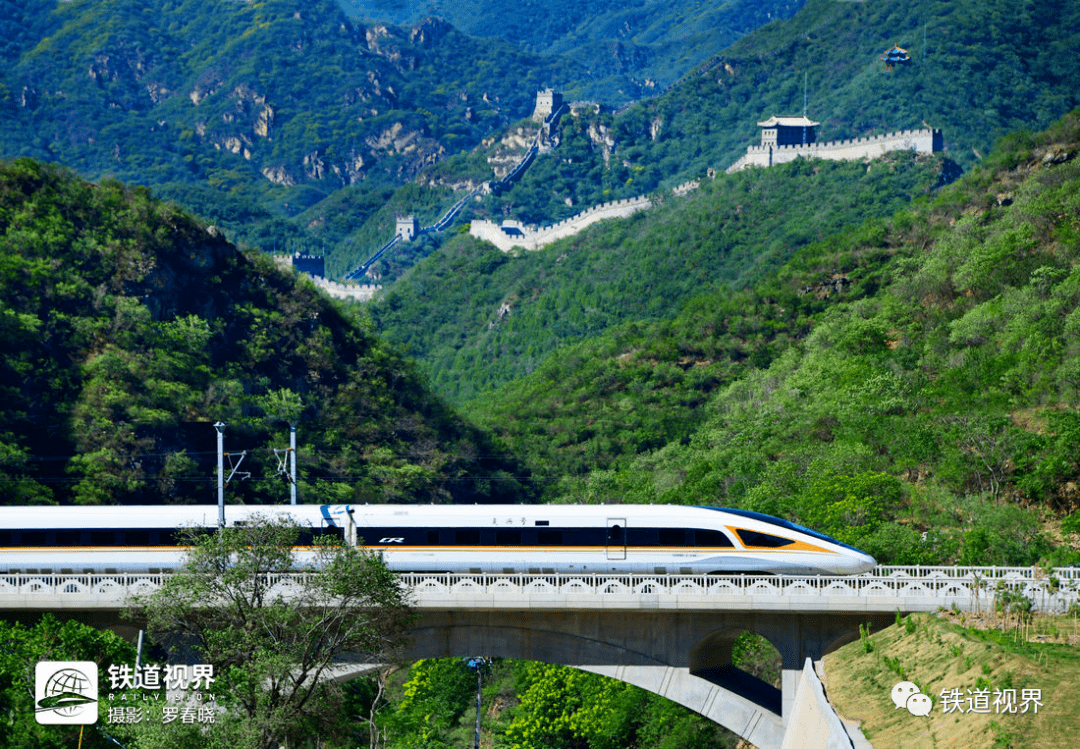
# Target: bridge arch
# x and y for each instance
(685, 657)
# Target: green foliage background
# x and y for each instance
(538, 706)
(128, 329)
(629, 49)
(908, 386)
(730, 232)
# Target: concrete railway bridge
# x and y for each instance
(669, 634)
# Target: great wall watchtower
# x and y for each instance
(313, 265)
(788, 131)
(408, 227)
(548, 101)
(785, 139)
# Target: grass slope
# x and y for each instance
(941, 655)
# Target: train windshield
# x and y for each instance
(781, 523)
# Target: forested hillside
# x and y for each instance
(251, 112)
(293, 127)
(985, 69)
(908, 386)
(474, 317)
(631, 49)
(128, 329)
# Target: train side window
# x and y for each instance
(137, 537)
(33, 538)
(641, 537)
(470, 537)
(103, 538)
(765, 540)
(705, 537)
(332, 530)
(672, 537)
(68, 538)
(433, 538)
(508, 538)
(7, 538)
(549, 538)
(585, 536)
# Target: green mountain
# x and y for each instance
(474, 317)
(128, 329)
(278, 102)
(293, 127)
(630, 49)
(908, 386)
(985, 69)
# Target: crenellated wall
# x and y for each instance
(355, 292)
(512, 234)
(921, 141)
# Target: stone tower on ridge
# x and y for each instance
(408, 227)
(547, 101)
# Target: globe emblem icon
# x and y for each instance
(66, 692)
(64, 683)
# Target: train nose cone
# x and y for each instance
(863, 563)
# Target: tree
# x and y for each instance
(22, 646)
(274, 629)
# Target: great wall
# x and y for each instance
(783, 139)
(511, 234)
(926, 140)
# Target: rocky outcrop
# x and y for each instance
(510, 150)
(429, 32)
(601, 136)
(279, 175)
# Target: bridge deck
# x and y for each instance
(904, 589)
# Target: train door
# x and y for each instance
(616, 538)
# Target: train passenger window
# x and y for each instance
(7, 538)
(549, 538)
(68, 538)
(703, 537)
(585, 536)
(433, 538)
(183, 536)
(103, 538)
(543, 522)
(672, 537)
(332, 530)
(766, 540)
(467, 537)
(33, 538)
(137, 538)
(508, 538)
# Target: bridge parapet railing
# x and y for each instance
(966, 586)
(984, 573)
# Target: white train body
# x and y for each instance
(538, 539)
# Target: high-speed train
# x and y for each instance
(539, 539)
